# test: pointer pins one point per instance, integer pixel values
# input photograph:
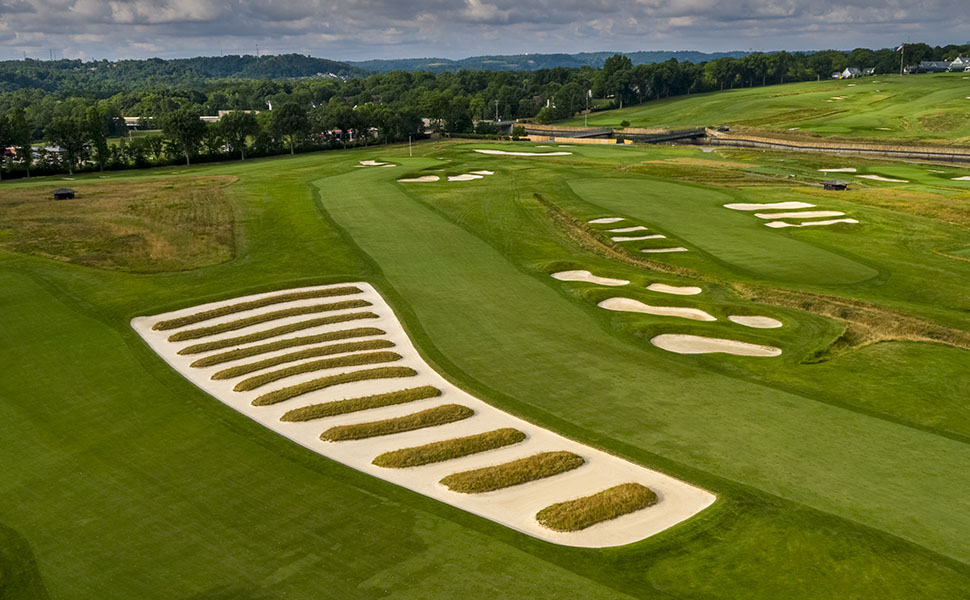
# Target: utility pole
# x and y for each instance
(496, 111)
(902, 52)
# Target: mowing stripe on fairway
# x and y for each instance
(330, 336)
(331, 380)
(353, 360)
(201, 332)
(252, 304)
(277, 331)
(244, 369)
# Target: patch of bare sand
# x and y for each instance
(695, 344)
(586, 276)
(631, 305)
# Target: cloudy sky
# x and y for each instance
(363, 29)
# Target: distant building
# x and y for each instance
(933, 66)
(959, 64)
(850, 73)
(869, 72)
(837, 75)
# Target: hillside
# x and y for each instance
(887, 107)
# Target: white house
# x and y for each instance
(851, 73)
(959, 64)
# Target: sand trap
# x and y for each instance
(964, 178)
(631, 305)
(769, 206)
(482, 172)
(663, 288)
(637, 238)
(695, 344)
(662, 250)
(839, 170)
(589, 278)
(506, 153)
(373, 163)
(606, 220)
(627, 229)
(883, 129)
(422, 179)
(513, 507)
(464, 177)
(781, 224)
(755, 321)
(881, 178)
(808, 214)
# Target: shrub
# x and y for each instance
(240, 370)
(516, 472)
(611, 503)
(331, 380)
(353, 360)
(439, 415)
(276, 332)
(449, 449)
(624, 124)
(251, 304)
(349, 405)
(201, 332)
(330, 336)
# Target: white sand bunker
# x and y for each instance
(769, 206)
(374, 163)
(422, 179)
(631, 305)
(627, 229)
(606, 220)
(464, 177)
(811, 214)
(663, 250)
(781, 224)
(504, 152)
(695, 344)
(964, 178)
(663, 288)
(839, 170)
(588, 277)
(881, 178)
(637, 238)
(755, 321)
(483, 172)
(251, 370)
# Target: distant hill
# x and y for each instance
(532, 62)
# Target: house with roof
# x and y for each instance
(959, 64)
(934, 66)
(850, 73)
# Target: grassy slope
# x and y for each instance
(913, 108)
(811, 493)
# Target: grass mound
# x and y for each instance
(330, 336)
(449, 449)
(301, 354)
(251, 304)
(278, 331)
(331, 380)
(439, 415)
(349, 405)
(578, 514)
(516, 472)
(370, 358)
(201, 332)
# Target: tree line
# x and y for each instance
(270, 116)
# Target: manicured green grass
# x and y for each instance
(578, 514)
(349, 405)
(201, 332)
(449, 449)
(331, 380)
(330, 336)
(516, 472)
(229, 309)
(244, 369)
(432, 417)
(352, 360)
(267, 334)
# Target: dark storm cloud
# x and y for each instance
(455, 28)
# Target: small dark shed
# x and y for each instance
(63, 194)
(835, 184)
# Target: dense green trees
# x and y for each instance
(237, 127)
(185, 129)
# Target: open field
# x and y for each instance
(912, 108)
(839, 465)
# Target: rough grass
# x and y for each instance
(449, 449)
(140, 225)
(439, 415)
(578, 514)
(516, 472)
(358, 346)
(349, 405)
(330, 336)
(331, 380)
(278, 331)
(253, 304)
(201, 332)
(353, 360)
